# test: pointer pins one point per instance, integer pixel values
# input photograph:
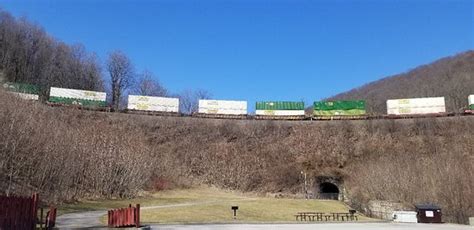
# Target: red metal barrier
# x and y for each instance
(18, 212)
(50, 218)
(124, 217)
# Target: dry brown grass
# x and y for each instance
(68, 154)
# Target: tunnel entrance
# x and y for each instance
(328, 191)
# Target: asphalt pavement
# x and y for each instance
(325, 226)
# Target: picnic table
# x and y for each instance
(343, 215)
(309, 216)
(318, 216)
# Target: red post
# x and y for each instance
(41, 219)
(126, 216)
(108, 218)
(137, 216)
(34, 212)
(114, 218)
(121, 222)
(52, 217)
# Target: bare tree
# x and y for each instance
(147, 85)
(122, 75)
(189, 100)
(29, 55)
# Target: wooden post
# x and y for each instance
(137, 216)
(41, 218)
(34, 212)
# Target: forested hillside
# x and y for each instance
(451, 77)
(91, 154)
(29, 55)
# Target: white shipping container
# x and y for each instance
(425, 110)
(280, 112)
(416, 106)
(416, 102)
(77, 94)
(405, 216)
(471, 99)
(159, 104)
(26, 96)
(222, 107)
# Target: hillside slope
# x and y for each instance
(451, 77)
(92, 154)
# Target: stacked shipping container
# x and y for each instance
(471, 102)
(222, 107)
(428, 105)
(155, 104)
(25, 91)
(339, 108)
(77, 97)
(280, 108)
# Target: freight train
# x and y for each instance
(277, 110)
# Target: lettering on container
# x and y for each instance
(89, 94)
(269, 112)
(404, 101)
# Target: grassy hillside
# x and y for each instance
(451, 77)
(69, 154)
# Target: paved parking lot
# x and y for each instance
(332, 226)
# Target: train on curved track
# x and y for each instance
(225, 109)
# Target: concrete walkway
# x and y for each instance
(80, 220)
(319, 226)
(91, 219)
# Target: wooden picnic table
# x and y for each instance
(342, 215)
(335, 216)
(309, 216)
(339, 215)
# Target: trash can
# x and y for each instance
(428, 213)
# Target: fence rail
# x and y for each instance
(49, 220)
(18, 212)
(21, 213)
(124, 217)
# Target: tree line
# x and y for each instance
(29, 55)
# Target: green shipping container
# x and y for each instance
(21, 88)
(279, 105)
(339, 108)
(75, 101)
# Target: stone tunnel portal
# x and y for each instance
(328, 191)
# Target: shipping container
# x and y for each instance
(157, 104)
(428, 105)
(280, 112)
(339, 108)
(25, 91)
(224, 107)
(279, 105)
(280, 108)
(77, 97)
(471, 102)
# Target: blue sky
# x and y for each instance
(262, 50)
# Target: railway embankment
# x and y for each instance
(68, 154)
